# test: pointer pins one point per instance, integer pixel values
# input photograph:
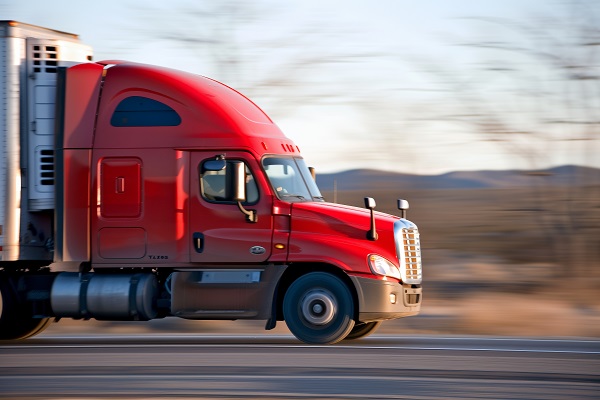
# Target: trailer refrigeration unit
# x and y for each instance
(134, 192)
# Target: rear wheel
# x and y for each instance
(318, 308)
(16, 321)
(363, 329)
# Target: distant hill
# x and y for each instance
(373, 179)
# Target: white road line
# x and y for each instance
(292, 346)
(267, 337)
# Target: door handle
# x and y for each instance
(120, 184)
(198, 242)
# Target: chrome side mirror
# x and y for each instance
(236, 177)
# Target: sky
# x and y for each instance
(389, 84)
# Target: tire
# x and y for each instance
(318, 308)
(363, 329)
(16, 321)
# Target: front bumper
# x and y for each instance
(376, 299)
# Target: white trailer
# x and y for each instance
(29, 61)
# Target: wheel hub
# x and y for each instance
(318, 307)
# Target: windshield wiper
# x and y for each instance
(298, 196)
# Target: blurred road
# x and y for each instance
(278, 366)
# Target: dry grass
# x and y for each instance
(503, 261)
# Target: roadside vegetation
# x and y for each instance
(494, 264)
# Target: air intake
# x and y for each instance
(45, 59)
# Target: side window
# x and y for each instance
(213, 185)
(142, 111)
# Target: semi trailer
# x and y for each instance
(134, 192)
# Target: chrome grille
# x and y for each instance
(408, 248)
(412, 255)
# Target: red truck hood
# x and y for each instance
(337, 234)
(339, 219)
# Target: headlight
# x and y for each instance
(381, 266)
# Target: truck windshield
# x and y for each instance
(291, 179)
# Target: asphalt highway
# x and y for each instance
(278, 366)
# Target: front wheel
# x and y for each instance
(16, 321)
(318, 308)
(363, 329)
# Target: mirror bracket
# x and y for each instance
(251, 215)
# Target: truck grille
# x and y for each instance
(408, 247)
(412, 255)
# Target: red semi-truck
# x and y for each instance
(134, 192)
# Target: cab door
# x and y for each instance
(219, 231)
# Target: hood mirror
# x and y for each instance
(370, 204)
(403, 206)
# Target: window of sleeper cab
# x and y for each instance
(213, 186)
(138, 111)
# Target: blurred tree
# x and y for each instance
(290, 64)
(536, 92)
(245, 45)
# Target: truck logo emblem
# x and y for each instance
(257, 250)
